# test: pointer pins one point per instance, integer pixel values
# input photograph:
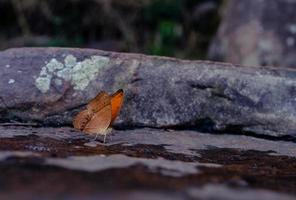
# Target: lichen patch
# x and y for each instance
(79, 74)
(43, 83)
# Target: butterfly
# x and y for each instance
(99, 114)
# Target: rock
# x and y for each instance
(257, 33)
(221, 192)
(49, 86)
(143, 164)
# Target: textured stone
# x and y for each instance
(59, 163)
(159, 92)
(221, 192)
(257, 33)
(175, 142)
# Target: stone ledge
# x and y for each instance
(71, 164)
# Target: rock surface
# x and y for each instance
(49, 86)
(144, 163)
(257, 33)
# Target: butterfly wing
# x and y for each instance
(99, 102)
(100, 121)
(81, 119)
(100, 113)
(116, 103)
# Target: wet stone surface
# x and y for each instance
(143, 163)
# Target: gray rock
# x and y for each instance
(176, 142)
(219, 192)
(143, 164)
(49, 85)
(257, 33)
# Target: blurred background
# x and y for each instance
(177, 28)
(250, 33)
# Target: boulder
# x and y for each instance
(49, 86)
(257, 33)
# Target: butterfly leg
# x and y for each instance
(96, 137)
(105, 137)
(108, 131)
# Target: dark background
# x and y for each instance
(178, 28)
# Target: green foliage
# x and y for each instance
(64, 42)
(166, 35)
(174, 27)
(159, 27)
(163, 9)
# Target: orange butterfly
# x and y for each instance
(99, 114)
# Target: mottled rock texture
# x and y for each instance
(257, 33)
(61, 163)
(49, 86)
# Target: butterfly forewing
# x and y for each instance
(116, 102)
(99, 122)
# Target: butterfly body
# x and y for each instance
(100, 113)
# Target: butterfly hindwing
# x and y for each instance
(100, 112)
(99, 102)
(81, 119)
(99, 122)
